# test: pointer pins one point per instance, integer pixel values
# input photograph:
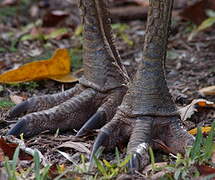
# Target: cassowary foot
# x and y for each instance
(144, 132)
(79, 107)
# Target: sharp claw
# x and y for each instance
(19, 128)
(134, 163)
(102, 136)
(95, 122)
(19, 109)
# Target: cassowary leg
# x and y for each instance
(94, 100)
(147, 112)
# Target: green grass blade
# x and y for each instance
(15, 158)
(37, 165)
(209, 144)
(117, 156)
(195, 150)
(8, 169)
(83, 162)
(100, 166)
(126, 160)
(152, 157)
(107, 164)
(45, 173)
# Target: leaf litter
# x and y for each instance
(195, 70)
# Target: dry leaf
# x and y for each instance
(68, 78)
(142, 2)
(53, 18)
(161, 145)
(9, 3)
(149, 167)
(46, 33)
(197, 12)
(205, 169)
(210, 90)
(187, 111)
(58, 65)
(205, 130)
(159, 174)
(66, 155)
(8, 149)
(78, 146)
(29, 152)
(16, 99)
(1, 155)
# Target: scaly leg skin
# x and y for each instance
(147, 112)
(92, 102)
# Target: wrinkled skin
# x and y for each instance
(92, 102)
(146, 115)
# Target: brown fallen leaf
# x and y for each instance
(210, 90)
(128, 13)
(205, 130)
(8, 149)
(1, 155)
(29, 152)
(187, 111)
(196, 13)
(161, 145)
(205, 169)
(53, 18)
(57, 65)
(78, 146)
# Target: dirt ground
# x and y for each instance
(190, 66)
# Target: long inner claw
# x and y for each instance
(101, 139)
(95, 122)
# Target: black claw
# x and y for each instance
(19, 128)
(100, 140)
(95, 122)
(19, 109)
(134, 163)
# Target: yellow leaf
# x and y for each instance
(58, 64)
(68, 78)
(204, 130)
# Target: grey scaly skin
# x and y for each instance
(147, 112)
(92, 102)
